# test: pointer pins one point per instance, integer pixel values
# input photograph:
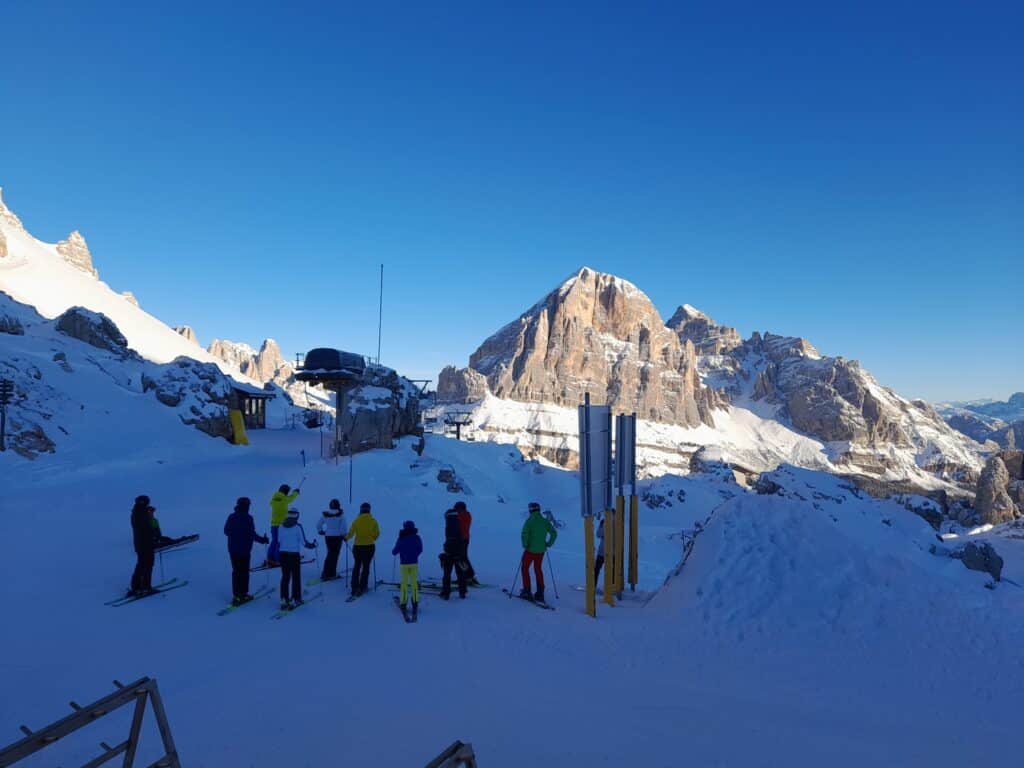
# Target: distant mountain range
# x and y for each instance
(702, 391)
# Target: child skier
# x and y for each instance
(332, 528)
(241, 532)
(409, 547)
(538, 536)
(292, 538)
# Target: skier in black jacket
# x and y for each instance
(454, 549)
(142, 537)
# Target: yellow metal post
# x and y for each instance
(588, 532)
(620, 544)
(609, 558)
(634, 543)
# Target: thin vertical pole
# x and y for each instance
(609, 562)
(380, 312)
(588, 534)
(634, 529)
(620, 544)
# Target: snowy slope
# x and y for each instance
(35, 274)
(800, 632)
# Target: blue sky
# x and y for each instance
(855, 176)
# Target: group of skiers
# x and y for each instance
(288, 539)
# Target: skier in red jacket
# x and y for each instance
(465, 522)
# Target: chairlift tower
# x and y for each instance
(458, 419)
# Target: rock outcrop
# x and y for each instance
(3, 245)
(386, 407)
(993, 503)
(460, 385)
(188, 333)
(94, 329)
(76, 252)
(601, 335)
(980, 557)
(199, 391)
(130, 297)
(8, 215)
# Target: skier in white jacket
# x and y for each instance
(332, 527)
(292, 539)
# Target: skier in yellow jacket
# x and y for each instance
(278, 514)
(365, 531)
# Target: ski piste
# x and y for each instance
(258, 594)
(266, 567)
(181, 542)
(156, 591)
(280, 614)
(545, 606)
(155, 586)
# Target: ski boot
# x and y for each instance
(286, 605)
(538, 596)
(297, 602)
(525, 594)
(415, 610)
(444, 594)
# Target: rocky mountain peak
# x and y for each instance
(8, 215)
(707, 336)
(76, 253)
(267, 364)
(598, 334)
(3, 245)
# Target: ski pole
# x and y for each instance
(299, 486)
(515, 578)
(346, 563)
(551, 570)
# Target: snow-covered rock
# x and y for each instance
(199, 391)
(94, 329)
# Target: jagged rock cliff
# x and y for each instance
(187, 332)
(76, 253)
(267, 364)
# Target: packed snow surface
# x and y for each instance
(815, 628)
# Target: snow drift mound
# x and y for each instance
(862, 570)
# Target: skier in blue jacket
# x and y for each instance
(241, 532)
(409, 547)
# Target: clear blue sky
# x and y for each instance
(854, 176)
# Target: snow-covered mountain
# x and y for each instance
(999, 421)
(700, 390)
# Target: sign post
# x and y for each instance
(595, 451)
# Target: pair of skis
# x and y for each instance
(178, 544)
(265, 567)
(530, 600)
(159, 589)
(409, 617)
(306, 598)
(258, 594)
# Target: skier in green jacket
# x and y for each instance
(538, 535)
